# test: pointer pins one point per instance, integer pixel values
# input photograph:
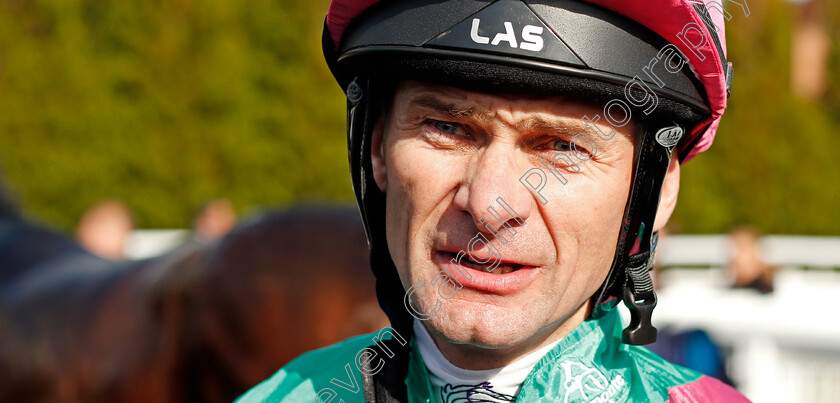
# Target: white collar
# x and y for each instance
(451, 382)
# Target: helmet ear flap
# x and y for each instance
(629, 277)
(363, 111)
(357, 116)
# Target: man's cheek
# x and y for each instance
(395, 228)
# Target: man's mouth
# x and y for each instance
(501, 268)
(507, 278)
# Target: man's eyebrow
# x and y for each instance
(563, 126)
(567, 126)
(438, 105)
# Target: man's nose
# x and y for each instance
(492, 194)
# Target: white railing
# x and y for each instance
(779, 250)
(153, 242)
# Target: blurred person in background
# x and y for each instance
(693, 349)
(746, 267)
(214, 219)
(104, 229)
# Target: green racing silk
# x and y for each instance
(590, 364)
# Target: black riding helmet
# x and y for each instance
(533, 47)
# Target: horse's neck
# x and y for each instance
(24, 246)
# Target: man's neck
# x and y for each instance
(469, 356)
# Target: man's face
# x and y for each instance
(447, 155)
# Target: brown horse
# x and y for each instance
(202, 323)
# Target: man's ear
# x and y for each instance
(668, 198)
(377, 155)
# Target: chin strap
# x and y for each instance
(640, 298)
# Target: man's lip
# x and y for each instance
(504, 260)
(479, 280)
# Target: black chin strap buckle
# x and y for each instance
(640, 331)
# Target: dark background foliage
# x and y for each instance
(165, 104)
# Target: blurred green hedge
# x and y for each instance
(165, 104)
(774, 163)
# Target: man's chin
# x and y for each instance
(489, 329)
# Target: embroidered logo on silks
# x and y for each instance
(585, 384)
(481, 393)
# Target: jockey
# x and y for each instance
(513, 161)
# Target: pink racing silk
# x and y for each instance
(670, 18)
(341, 13)
(703, 390)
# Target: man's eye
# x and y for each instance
(559, 145)
(446, 127)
